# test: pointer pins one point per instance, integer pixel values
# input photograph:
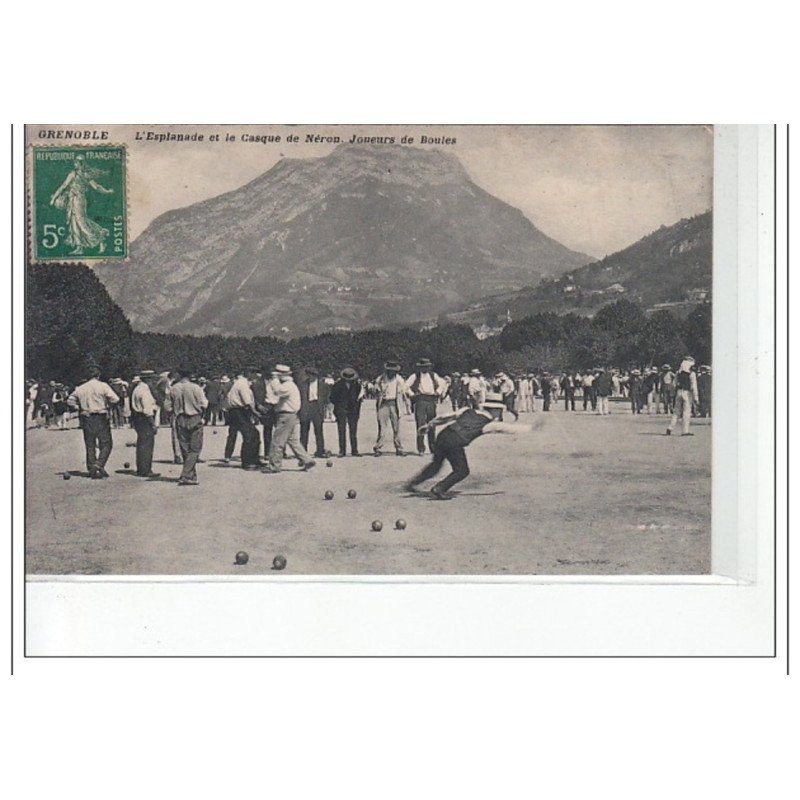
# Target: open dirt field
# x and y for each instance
(583, 494)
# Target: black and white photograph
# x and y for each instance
(369, 350)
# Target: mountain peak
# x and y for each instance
(370, 234)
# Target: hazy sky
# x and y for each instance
(594, 189)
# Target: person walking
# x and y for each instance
(144, 410)
(241, 410)
(313, 400)
(92, 400)
(686, 384)
(390, 390)
(463, 427)
(603, 389)
(427, 389)
(346, 395)
(286, 433)
(188, 401)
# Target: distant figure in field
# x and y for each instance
(668, 388)
(463, 427)
(704, 390)
(589, 396)
(635, 391)
(568, 388)
(603, 388)
(686, 381)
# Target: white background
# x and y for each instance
(565, 728)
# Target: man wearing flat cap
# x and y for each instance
(390, 389)
(313, 399)
(427, 390)
(346, 396)
(143, 417)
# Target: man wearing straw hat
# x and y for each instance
(390, 389)
(427, 389)
(286, 433)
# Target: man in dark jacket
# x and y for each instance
(313, 399)
(346, 396)
(602, 388)
(704, 390)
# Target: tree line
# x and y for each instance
(72, 322)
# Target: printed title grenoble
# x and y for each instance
(308, 138)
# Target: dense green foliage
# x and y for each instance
(72, 322)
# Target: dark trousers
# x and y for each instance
(314, 416)
(268, 421)
(545, 401)
(569, 399)
(589, 396)
(145, 439)
(96, 437)
(508, 401)
(189, 429)
(448, 448)
(424, 412)
(240, 421)
(345, 420)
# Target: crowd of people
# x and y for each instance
(287, 412)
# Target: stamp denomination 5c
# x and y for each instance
(79, 203)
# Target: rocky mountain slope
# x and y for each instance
(371, 235)
(671, 267)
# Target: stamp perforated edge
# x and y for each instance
(30, 206)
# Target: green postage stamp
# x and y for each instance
(79, 203)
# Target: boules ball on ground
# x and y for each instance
(329, 463)
(242, 558)
(377, 525)
(351, 494)
(67, 476)
(400, 525)
(279, 562)
(127, 465)
(329, 495)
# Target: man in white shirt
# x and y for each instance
(286, 433)
(93, 400)
(241, 410)
(686, 383)
(390, 389)
(426, 388)
(476, 389)
(143, 419)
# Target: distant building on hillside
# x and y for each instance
(698, 295)
(615, 288)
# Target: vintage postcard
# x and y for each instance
(368, 350)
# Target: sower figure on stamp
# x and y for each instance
(189, 402)
(462, 428)
(93, 400)
(427, 389)
(144, 410)
(390, 388)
